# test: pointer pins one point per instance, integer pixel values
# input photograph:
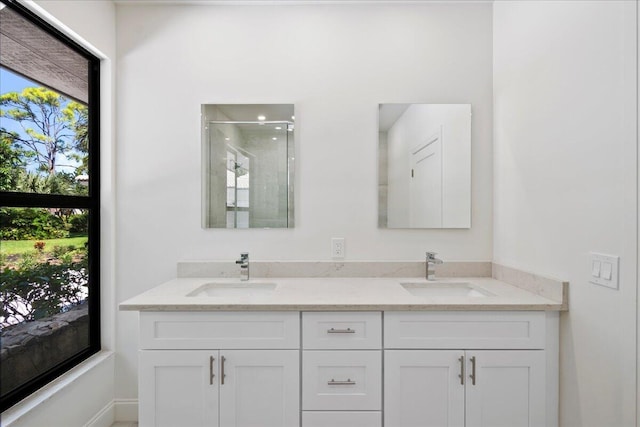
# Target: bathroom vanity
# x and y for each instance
(347, 352)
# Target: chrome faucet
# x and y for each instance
(244, 266)
(431, 261)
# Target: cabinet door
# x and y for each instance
(178, 388)
(260, 388)
(509, 388)
(423, 388)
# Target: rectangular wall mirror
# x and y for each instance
(424, 166)
(247, 163)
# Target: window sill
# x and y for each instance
(58, 385)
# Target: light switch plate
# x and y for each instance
(602, 278)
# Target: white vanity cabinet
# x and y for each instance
(342, 369)
(175, 389)
(473, 369)
(349, 369)
(186, 388)
(428, 388)
(220, 369)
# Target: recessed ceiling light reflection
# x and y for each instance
(278, 127)
(227, 139)
(293, 117)
(274, 138)
(261, 117)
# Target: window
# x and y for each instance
(49, 203)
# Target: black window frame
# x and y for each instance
(91, 203)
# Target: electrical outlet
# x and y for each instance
(337, 247)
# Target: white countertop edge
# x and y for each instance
(353, 307)
(338, 294)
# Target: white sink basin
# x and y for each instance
(233, 289)
(445, 289)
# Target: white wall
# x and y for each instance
(565, 182)
(342, 61)
(93, 25)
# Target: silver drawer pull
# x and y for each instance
(211, 375)
(341, 331)
(347, 382)
(222, 374)
(473, 370)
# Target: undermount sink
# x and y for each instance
(445, 289)
(233, 289)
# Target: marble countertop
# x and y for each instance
(334, 294)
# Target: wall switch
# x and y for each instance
(595, 269)
(604, 270)
(337, 247)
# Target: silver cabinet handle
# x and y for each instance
(473, 370)
(347, 382)
(341, 331)
(461, 359)
(222, 374)
(211, 375)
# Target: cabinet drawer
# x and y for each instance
(221, 330)
(341, 419)
(342, 380)
(460, 330)
(342, 330)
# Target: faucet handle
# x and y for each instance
(244, 258)
(244, 266)
(431, 255)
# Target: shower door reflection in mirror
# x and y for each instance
(248, 166)
(424, 168)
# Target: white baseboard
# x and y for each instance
(118, 410)
(104, 418)
(126, 409)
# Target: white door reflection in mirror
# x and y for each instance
(425, 199)
(424, 166)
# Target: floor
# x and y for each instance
(125, 424)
